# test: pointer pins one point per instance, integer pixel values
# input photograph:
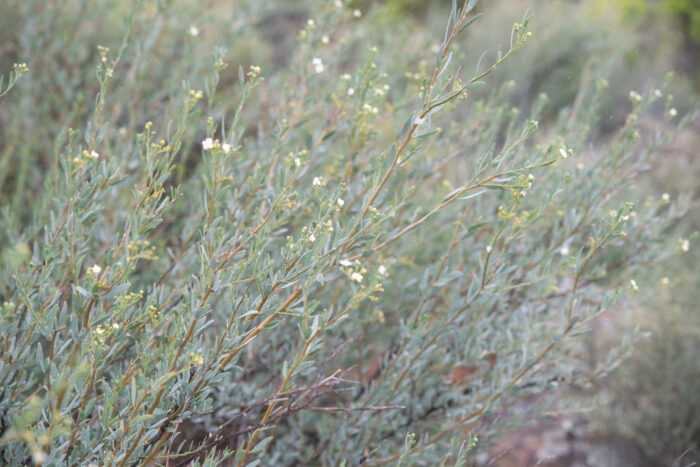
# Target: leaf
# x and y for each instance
(117, 290)
(469, 23)
(82, 291)
(473, 195)
(314, 325)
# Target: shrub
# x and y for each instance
(319, 262)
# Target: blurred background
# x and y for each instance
(645, 413)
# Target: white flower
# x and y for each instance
(338, 4)
(194, 32)
(666, 197)
(345, 76)
(345, 262)
(96, 270)
(115, 326)
(379, 92)
(340, 201)
(226, 148)
(356, 276)
(325, 39)
(685, 244)
(563, 153)
(488, 248)
(207, 144)
(351, 91)
(310, 22)
(658, 93)
(564, 250)
(318, 65)
(99, 330)
(370, 108)
(634, 286)
(580, 166)
(356, 13)
(318, 181)
(635, 97)
(672, 112)
(381, 270)
(312, 238)
(665, 280)
(297, 161)
(530, 177)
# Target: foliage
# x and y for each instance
(326, 257)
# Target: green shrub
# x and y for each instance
(328, 257)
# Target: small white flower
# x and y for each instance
(318, 181)
(488, 248)
(672, 112)
(194, 32)
(685, 244)
(312, 238)
(634, 286)
(564, 250)
(226, 148)
(379, 92)
(356, 276)
(658, 93)
(207, 144)
(96, 270)
(530, 177)
(381, 270)
(345, 76)
(325, 39)
(356, 13)
(665, 281)
(338, 4)
(310, 22)
(93, 154)
(318, 65)
(340, 202)
(345, 262)
(297, 161)
(666, 197)
(99, 330)
(351, 91)
(370, 108)
(635, 97)
(115, 326)
(580, 166)
(563, 153)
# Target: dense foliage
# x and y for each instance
(337, 254)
